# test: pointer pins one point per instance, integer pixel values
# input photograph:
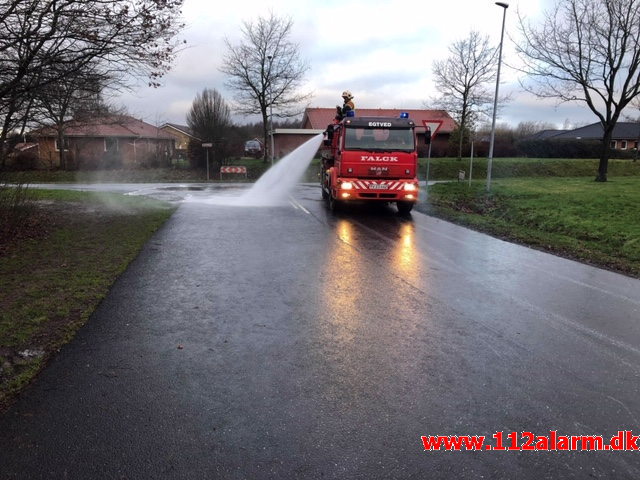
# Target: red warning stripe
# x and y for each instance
(233, 169)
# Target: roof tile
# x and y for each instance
(319, 118)
(116, 126)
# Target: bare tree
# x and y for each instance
(210, 119)
(527, 129)
(265, 70)
(57, 104)
(47, 42)
(587, 51)
(462, 81)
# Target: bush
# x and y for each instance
(155, 160)
(560, 148)
(16, 208)
(25, 161)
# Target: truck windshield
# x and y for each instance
(379, 139)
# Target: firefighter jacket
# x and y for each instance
(348, 105)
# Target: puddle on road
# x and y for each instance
(275, 185)
(181, 188)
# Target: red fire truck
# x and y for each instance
(371, 159)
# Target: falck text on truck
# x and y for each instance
(376, 158)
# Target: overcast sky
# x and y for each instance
(383, 51)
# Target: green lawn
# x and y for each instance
(53, 279)
(575, 217)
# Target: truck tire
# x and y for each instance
(334, 204)
(325, 195)
(404, 207)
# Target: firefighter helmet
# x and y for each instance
(347, 94)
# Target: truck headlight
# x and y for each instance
(409, 187)
(346, 185)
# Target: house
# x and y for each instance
(625, 135)
(104, 142)
(315, 120)
(286, 140)
(182, 133)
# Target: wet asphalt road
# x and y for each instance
(288, 342)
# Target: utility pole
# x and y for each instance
(206, 147)
(495, 99)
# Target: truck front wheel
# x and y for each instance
(404, 207)
(334, 203)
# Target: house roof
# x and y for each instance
(115, 126)
(184, 129)
(24, 146)
(622, 131)
(545, 134)
(319, 118)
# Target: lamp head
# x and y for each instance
(502, 4)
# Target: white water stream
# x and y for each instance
(276, 184)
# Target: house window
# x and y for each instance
(623, 145)
(613, 144)
(110, 144)
(65, 142)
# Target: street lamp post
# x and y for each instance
(270, 57)
(495, 100)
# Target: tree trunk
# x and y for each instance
(266, 146)
(603, 165)
(61, 157)
(6, 127)
(602, 168)
(3, 150)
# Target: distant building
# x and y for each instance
(321, 117)
(286, 140)
(315, 121)
(626, 135)
(105, 142)
(182, 133)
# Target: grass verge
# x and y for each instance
(53, 281)
(578, 218)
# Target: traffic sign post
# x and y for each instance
(207, 146)
(431, 128)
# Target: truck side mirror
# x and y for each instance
(329, 137)
(427, 136)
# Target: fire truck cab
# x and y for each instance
(370, 159)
